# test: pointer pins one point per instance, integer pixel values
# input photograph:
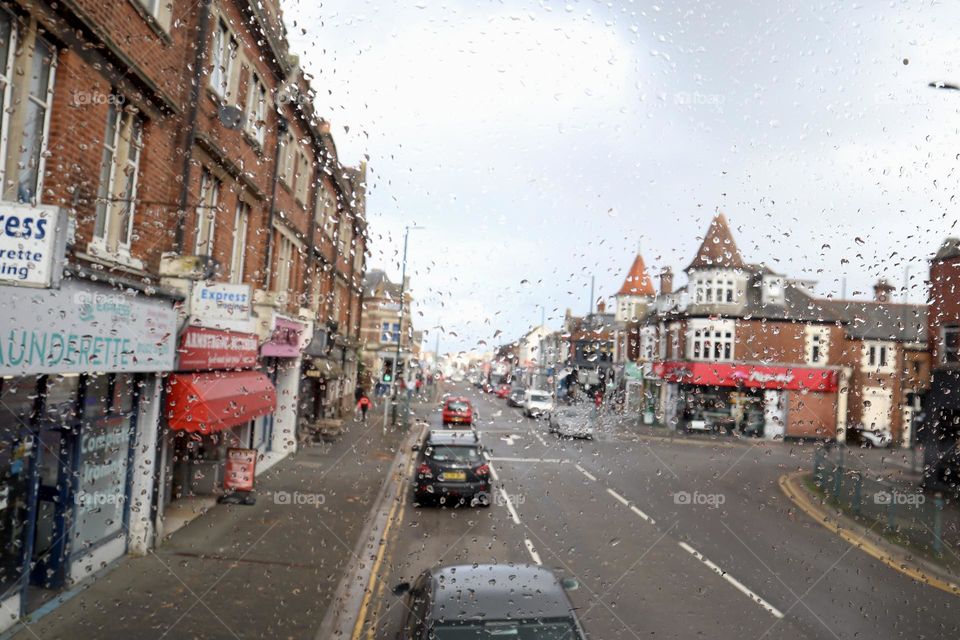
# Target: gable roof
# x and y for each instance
(718, 248)
(638, 282)
(949, 249)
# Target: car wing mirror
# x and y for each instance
(400, 589)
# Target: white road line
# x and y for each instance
(586, 473)
(642, 515)
(540, 438)
(525, 459)
(618, 497)
(493, 473)
(533, 552)
(513, 512)
(736, 583)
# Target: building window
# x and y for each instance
(648, 343)
(256, 109)
(390, 332)
(223, 60)
(238, 255)
(281, 283)
(119, 168)
(207, 213)
(286, 159)
(950, 344)
(817, 344)
(302, 179)
(27, 64)
(711, 340)
(326, 211)
(159, 10)
(343, 239)
(879, 356)
(715, 290)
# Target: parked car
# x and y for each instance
(489, 601)
(503, 390)
(572, 422)
(537, 403)
(869, 437)
(457, 410)
(516, 397)
(451, 469)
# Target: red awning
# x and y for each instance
(211, 402)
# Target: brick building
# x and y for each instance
(383, 330)
(741, 346)
(176, 220)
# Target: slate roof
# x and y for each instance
(374, 279)
(718, 249)
(949, 249)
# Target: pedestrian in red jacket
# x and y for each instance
(364, 404)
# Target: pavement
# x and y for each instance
(265, 571)
(669, 536)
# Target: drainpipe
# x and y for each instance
(191, 125)
(268, 254)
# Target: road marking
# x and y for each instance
(493, 473)
(586, 473)
(540, 438)
(533, 552)
(513, 512)
(736, 583)
(525, 459)
(642, 515)
(619, 497)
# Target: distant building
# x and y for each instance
(380, 330)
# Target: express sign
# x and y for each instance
(747, 375)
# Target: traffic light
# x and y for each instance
(387, 370)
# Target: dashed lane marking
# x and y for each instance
(619, 497)
(554, 460)
(736, 583)
(589, 475)
(642, 515)
(533, 552)
(513, 512)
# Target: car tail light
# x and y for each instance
(425, 471)
(483, 470)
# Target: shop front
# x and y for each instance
(215, 400)
(320, 381)
(281, 361)
(760, 400)
(79, 409)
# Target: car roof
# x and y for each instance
(497, 592)
(458, 399)
(453, 436)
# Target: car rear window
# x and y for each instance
(458, 405)
(495, 630)
(539, 397)
(453, 453)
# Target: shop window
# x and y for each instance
(119, 171)
(27, 63)
(950, 344)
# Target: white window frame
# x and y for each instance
(879, 356)
(159, 10)
(389, 332)
(303, 175)
(207, 213)
(716, 288)
(326, 211)
(288, 247)
(817, 345)
(112, 197)
(256, 124)
(223, 58)
(648, 343)
(241, 227)
(954, 330)
(711, 340)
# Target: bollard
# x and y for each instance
(890, 507)
(857, 492)
(837, 481)
(938, 524)
(818, 468)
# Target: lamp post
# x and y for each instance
(403, 295)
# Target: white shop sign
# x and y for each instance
(31, 244)
(84, 328)
(222, 306)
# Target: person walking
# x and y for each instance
(364, 405)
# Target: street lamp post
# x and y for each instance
(403, 295)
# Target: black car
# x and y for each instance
(515, 399)
(489, 601)
(451, 469)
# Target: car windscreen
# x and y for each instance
(453, 453)
(539, 397)
(497, 630)
(457, 405)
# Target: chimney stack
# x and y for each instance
(666, 281)
(882, 290)
(601, 306)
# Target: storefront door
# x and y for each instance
(57, 445)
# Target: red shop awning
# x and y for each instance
(211, 402)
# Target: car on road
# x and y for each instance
(503, 390)
(537, 403)
(451, 469)
(869, 437)
(457, 410)
(572, 422)
(515, 399)
(489, 601)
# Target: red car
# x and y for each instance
(457, 411)
(503, 390)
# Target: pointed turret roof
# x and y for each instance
(718, 250)
(638, 281)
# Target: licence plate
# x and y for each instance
(455, 475)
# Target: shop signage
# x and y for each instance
(31, 244)
(240, 469)
(284, 340)
(202, 348)
(751, 376)
(222, 306)
(82, 328)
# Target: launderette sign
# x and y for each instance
(29, 247)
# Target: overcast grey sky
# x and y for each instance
(539, 143)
